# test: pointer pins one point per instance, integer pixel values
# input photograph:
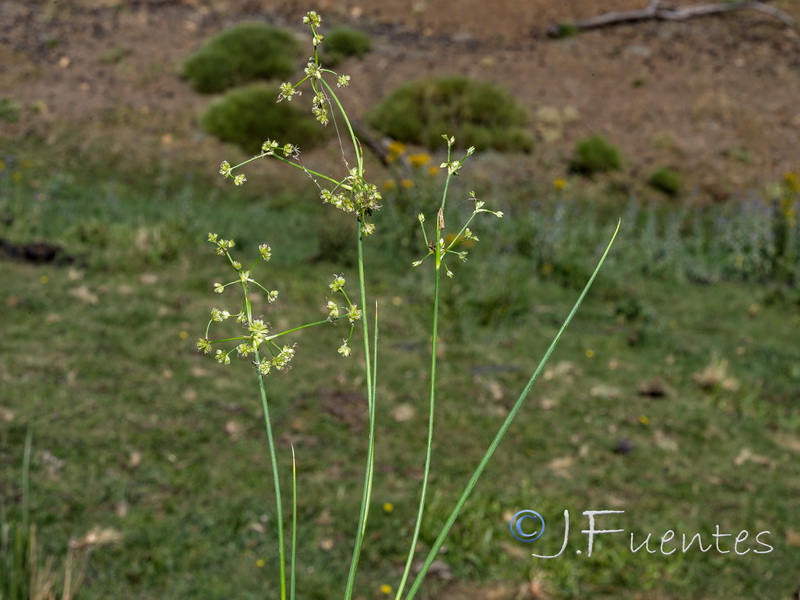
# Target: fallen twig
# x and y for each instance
(655, 11)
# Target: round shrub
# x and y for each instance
(249, 115)
(667, 180)
(242, 54)
(595, 154)
(344, 42)
(477, 113)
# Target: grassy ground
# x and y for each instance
(673, 397)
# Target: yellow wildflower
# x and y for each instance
(396, 149)
(792, 182)
(419, 160)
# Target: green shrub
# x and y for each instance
(478, 114)
(344, 42)
(563, 30)
(666, 180)
(9, 110)
(240, 55)
(595, 154)
(249, 115)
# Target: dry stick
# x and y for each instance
(654, 11)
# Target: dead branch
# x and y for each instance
(655, 11)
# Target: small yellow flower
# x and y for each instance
(547, 269)
(790, 215)
(17, 176)
(2, 166)
(433, 170)
(589, 353)
(644, 420)
(792, 181)
(388, 185)
(396, 148)
(419, 160)
(44, 279)
(386, 589)
(407, 183)
(451, 237)
(260, 563)
(388, 507)
(184, 335)
(559, 183)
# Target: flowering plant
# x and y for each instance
(354, 194)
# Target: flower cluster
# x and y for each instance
(257, 332)
(351, 311)
(355, 195)
(443, 244)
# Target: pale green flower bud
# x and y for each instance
(353, 313)
(219, 315)
(337, 284)
(263, 366)
(222, 358)
(333, 310)
(312, 18)
(268, 147)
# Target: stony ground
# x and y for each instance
(715, 97)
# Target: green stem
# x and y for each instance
(275, 480)
(502, 431)
(432, 398)
(353, 139)
(370, 466)
(293, 585)
(272, 453)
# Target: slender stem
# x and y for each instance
(293, 585)
(26, 478)
(501, 432)
(353, 139)
(272, 453)
(275, 480)
(370, 466)
(432, 398)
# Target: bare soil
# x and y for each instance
(717, 97)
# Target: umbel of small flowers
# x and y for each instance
(352, 193)
(438, 247)
(258, 333)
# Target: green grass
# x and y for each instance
(136, 431)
